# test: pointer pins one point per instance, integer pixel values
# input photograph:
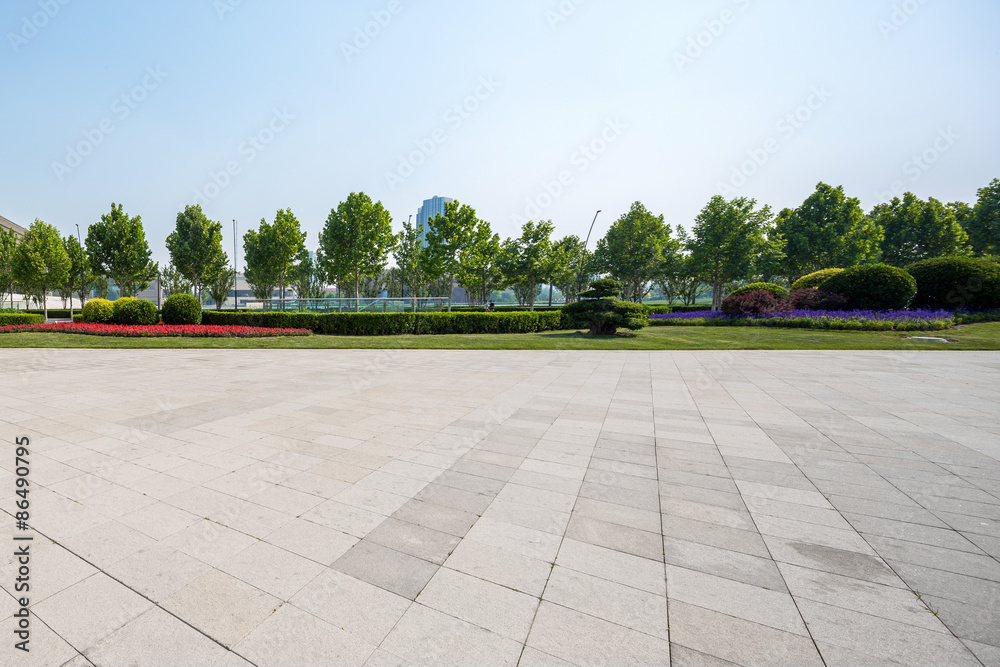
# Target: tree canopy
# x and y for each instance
(40, 262)
(117, 248)
(357, 239)
(195, 247)
(634, 250)
(914, 230)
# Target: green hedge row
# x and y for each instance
(8, 319)
(392, 324)
(60, 314)
(505, 309)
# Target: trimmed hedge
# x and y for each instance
(777, 291)
(183, 309)
(392, 324)
(874, 287)
(54, 313)
(98, 311)
(505, 309)
(130, 311)
(815, 279)
(9, 319)
(956, 282)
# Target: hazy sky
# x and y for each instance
(523, 108)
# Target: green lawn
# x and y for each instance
(973, 337)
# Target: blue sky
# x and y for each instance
(544, 109)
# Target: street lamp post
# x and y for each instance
(83, 279)
(585, 244)
(236, 285)
(402, 272)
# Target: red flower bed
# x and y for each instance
(155, 331)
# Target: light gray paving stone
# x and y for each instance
(501, 566)
(761, 572)
(291, 636)
(724, 537)
(506, 612)
(411, 538)
(845, 562)
(681, 656)
(613, 536)
(428, 637)
(736, 640)
(396, 572)
(156, 637)
(959, 562)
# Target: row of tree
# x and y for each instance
(731, 241)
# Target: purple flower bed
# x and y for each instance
(857, 320)
(861, 315)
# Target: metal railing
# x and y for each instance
(408, 305)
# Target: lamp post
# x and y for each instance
(83, 279)
(236, 284)
(585, 244)
(402, 271)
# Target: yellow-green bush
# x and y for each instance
(98, 311)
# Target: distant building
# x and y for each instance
(431, 208)
(7, 224)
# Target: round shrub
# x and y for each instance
(874, 287)
(956, 282)
(815, 279)
(135, 312)
(181, 309)
(602, 313)
(98, 311)
(757, 302)
(777, 291)
(812, 298)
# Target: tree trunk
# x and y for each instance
(550, 295)
(451, 290)
(531, 296)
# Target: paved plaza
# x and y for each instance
(219, 508)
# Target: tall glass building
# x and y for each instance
(431, 208)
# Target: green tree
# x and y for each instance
(270, 253)
(408, 256)
(173, 281)
(568, 254)
(727, 241)
(41, 263)
(309, 277)
(101, 286)
(221, 284)
(914, 230)
(634, 250)
(195, 247)
(80, 278)
(357, 239)
(983, 225)
(526, 259)
(117, 248)
(479, 270)
(445, 237)
(829, 229)
(8, 250)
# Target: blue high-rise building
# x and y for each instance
(431, 208)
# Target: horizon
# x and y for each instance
(241, 107)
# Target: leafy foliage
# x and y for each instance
(195, 247)
(40, 262)
(117, 248)
(602, 313)
(270, 253)
(635, 249)
(812, 298)
(815, 279)
(182, 309)
(828, 229)
(754, 302)
(135, 312)
(777, 291)
(956, 282)
(983, 225)
(480, 271)
(526, 259)
(914, 230)
(8, 250)
(98, 311)
(727, 242)
(395, 324)
(874, 287)
(445, 237)
(220, 286)
(357, 240)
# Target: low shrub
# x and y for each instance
(874, 287)
(135, 312)
(757, 302)
(815, 279)
(777, 291)
(812, 298)
(602, 312)
(98, 311)
(956, 282)
(393, 324)
(54, 313)
(182, 309)
(9, 319)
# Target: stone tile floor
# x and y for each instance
(382, 508)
